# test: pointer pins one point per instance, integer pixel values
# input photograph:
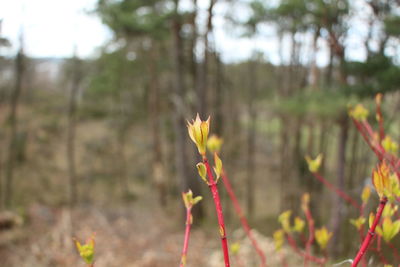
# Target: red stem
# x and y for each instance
(217, 202)
(380, 121)
(310, 240)
(283, 259)
(371, 232)
(187, 235)
(361, 233)
(395, 252)
(303, 238)
(339, 192)
(366, 131)
(242, 218)
(294, 246)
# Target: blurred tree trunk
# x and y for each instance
(284, 161)
(290, 143)
(193, 43)
(122, 161)
(285, 187)
(251, 137)
(154, 114)
(218, 99)
(314, 71)
(13, 122)
(337, 203)
(186, 180)
(71, 130)
(203, 83)
(337, 208)
(353, 179)
(329, 68)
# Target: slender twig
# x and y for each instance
(379, 116)
(395, 251)
(339, 192)
(283, 260)
(366, 132)
(242, 218)
(310, 222)
(214, 190)
(309, 257)
(371, 233)
(187, 236)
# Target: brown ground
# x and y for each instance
(132, 235)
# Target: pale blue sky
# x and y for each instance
(51, 27)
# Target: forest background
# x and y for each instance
(100, 144)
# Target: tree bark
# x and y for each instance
(337, 207)
(218, 114)
(314, 72)
(251, 138)
(185, 179)
(203, 82)
(193, 43)
(154, 114)
(71, 131)
(13, 120)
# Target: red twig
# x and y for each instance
(378, 101)
(214, 190)
(371, 232)
(187, 235)
(339, 192)
(395, 251)
(310, 222)
(309, 257)
(283, 260)
(367, 133)
(361, 233)
(242, 218)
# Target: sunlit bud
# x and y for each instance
(201, 168)
(389, 210)
(183, 260)
(314, 164)
(394, 187)
(390, 229)
(378, 98)
(189, 200)
(381, 179)
(235, 247)
(298, 225)
(322, 236)
(358, 223)
(305, 200)
(371, 219)
(359, 113)
(366, 193)
(378, 101)
(86, 251)
(390, 145)
(218, 166)
(198, 132)
(221, 231)
(186, 198)
(279, 239)
(214, 143)
(284, 219)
